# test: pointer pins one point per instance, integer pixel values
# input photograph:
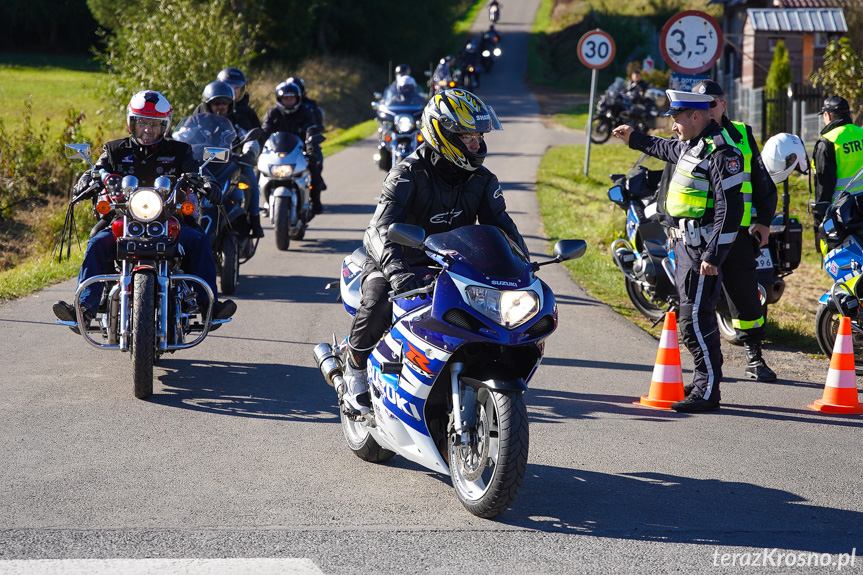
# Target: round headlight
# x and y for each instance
(145, 205)
(404, 123)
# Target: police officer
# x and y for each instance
(441, 186)
(838, 155)
(705, 206)
(739, 274)
(145, 154)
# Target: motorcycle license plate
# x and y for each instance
(764, 261)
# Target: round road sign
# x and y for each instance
(691, 42)
(596, 49)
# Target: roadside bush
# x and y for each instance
(175, 47)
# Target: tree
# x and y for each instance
(175, 47)
(841, 74)
(778, 79)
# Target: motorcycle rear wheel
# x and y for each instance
(649, 307)
(600, 130)
(281, 222)
(726, 329)
(143, 334)
(488, 473)
(362, 443)
(230, 271)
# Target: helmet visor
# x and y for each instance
(483, 120)
(146, 130)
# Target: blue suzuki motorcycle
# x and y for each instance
(448, 380)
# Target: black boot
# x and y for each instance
(756, 367)
(257, 230)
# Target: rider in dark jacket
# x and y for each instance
(217, 98)
(146, 154)
(289, 115)
(237, 80)
(440, 187)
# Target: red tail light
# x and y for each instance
(117, 228)
(173, 227)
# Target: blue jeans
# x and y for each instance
(102, 251)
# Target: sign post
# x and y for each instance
(595, 50)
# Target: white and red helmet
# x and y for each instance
(151, 105)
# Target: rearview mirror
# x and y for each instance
(569, 249)
(217, 155)
(406, 235)
(616, 195)
(78, 152)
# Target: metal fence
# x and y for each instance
(794, 111)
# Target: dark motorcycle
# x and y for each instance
(489, 50)
(448, 381)
(223, 219)
(152, 307)
(615, 108)
(399, 119)
(648, 266)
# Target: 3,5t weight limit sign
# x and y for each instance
(691, 42)
(596, 49)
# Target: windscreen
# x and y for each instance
(486, 247)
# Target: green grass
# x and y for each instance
(573, 206)
(52, 88)
(338, 140)
(574, 117)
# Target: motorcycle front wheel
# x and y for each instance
(143, 333)
(726, 328)
(230, 270)
(488, 472)
(362, 443)
(651, 308)
(826, 327)
(600, 130)
(281, 221)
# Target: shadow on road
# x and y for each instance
(674, 509)
(305, 289)
(258, 390)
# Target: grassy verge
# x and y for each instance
(573, 206)
(338, 140)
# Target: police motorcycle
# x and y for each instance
(152, 307)
(448, 380)
(399, 117)
(285, 181)
(223, 219)
(614, 108)
(647, 264)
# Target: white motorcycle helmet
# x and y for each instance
(782, 154)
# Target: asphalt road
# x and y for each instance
(239, 454)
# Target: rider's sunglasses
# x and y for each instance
(469, 137)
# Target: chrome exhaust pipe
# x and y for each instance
(330, 364)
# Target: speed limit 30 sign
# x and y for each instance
(691, 42)
(596, 49)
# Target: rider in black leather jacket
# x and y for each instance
(440, 187)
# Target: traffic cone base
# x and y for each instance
(666, 385)
(840, 390)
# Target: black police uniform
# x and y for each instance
(297, 123)
(698, 293)
(424, 190)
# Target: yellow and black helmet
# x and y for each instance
(455, 112)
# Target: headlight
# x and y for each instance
(497, 52)
(404, 123)
(145, 205)
(507, 308)
(486, 53)
(282, 171)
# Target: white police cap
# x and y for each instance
(680, 101)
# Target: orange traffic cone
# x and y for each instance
(840, 391)
(666, 385)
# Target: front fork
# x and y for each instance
(463, 405)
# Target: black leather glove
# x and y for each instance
(210, 190)
(404, 282)
(84, 182)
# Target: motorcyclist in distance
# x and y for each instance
(218, 98)
(467, 58)
(145, 154)
(289, 115)
(442, 74)
(637, 87)
(237, 80)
